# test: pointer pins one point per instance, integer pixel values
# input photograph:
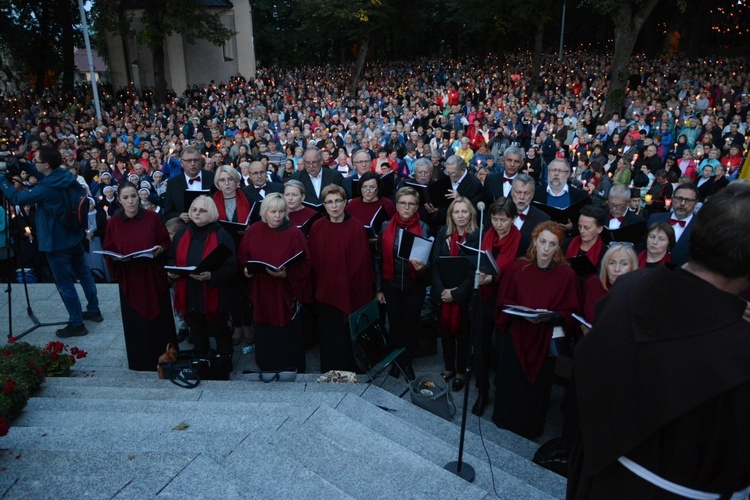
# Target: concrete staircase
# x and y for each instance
(107, 432)
(120, 434)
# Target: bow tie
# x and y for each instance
(196, 179)
(522, 216)
(611, 217)
(672, 222)
(506, 179)
(259, 189)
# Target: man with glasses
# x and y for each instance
(193, 178)
(680, 218)
(497, 185)
(314, 177)
(557, 192)
(462, 182)
(620, 217)
(259, 186)
(59, 237)
(528, 217)
(362, 164)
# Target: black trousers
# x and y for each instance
(336, 350)
(202, 330)
(404, 308)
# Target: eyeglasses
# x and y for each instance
(361, 162)
(369, 188)
(309, 163)
(625, 244)
(617, 206)
(680, 199)
(256, 174)
(191, 160)
(330, 203)
(407, 204)
(558, 171)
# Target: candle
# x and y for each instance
(668, 202)
(27, 230)
(648, 197)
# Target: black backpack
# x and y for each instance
(75, 208)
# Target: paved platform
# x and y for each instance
(107, 432)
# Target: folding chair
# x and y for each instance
(371, 351)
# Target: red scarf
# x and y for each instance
(242, 210)
(210, 294)
(505, 249)
(643, 256)
(451, 317)
(592, 254)
(389, 239)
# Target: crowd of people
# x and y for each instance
(306, 192)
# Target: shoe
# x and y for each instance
(479, 406)
(93, 316)
(458, 384)
(182, 335)
(448, 375)
(409, 372)
(72, 331)
(248, 335)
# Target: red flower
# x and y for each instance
(12, 340)
(81, 354)
(74, 350)
(56, 346)
(53, 356)
(4, 427)
(6, 354)
(9, 386)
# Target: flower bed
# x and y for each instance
(23, 368)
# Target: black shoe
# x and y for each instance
(409, 372)
(448, 375)
(182, 335)
(479, 406)
(72, 331)
(93, 316)
(457, 384)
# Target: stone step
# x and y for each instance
(364, 464)
(92, 473)
(449, 430)
(512, 473)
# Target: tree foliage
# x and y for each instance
(40, 36)
(159, 20)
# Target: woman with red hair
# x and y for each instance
(526, 362)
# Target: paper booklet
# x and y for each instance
(148, 253)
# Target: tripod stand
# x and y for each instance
(14, 221)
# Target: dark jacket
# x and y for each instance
(462, 293)
(48, 193)
(401, 271)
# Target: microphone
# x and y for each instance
(480, 206)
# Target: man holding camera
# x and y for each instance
(61, 241)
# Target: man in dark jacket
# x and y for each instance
(58, 237)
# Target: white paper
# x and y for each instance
(149, 253)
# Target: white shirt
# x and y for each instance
(678, 229)
(317, 183)
(195, 186)
(507, 186)
(614, 223)
(455, 184)
(562, 192)
(518, 222)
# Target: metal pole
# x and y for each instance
(85, 27)
(562, 32)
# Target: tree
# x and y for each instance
(159, 20)
(628, 18)
(40, 35)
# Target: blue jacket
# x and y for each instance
(48, 195)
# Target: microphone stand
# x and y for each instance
(458, 467)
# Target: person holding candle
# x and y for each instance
(147, 320)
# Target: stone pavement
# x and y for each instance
(108, 432)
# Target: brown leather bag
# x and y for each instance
(170, 356)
